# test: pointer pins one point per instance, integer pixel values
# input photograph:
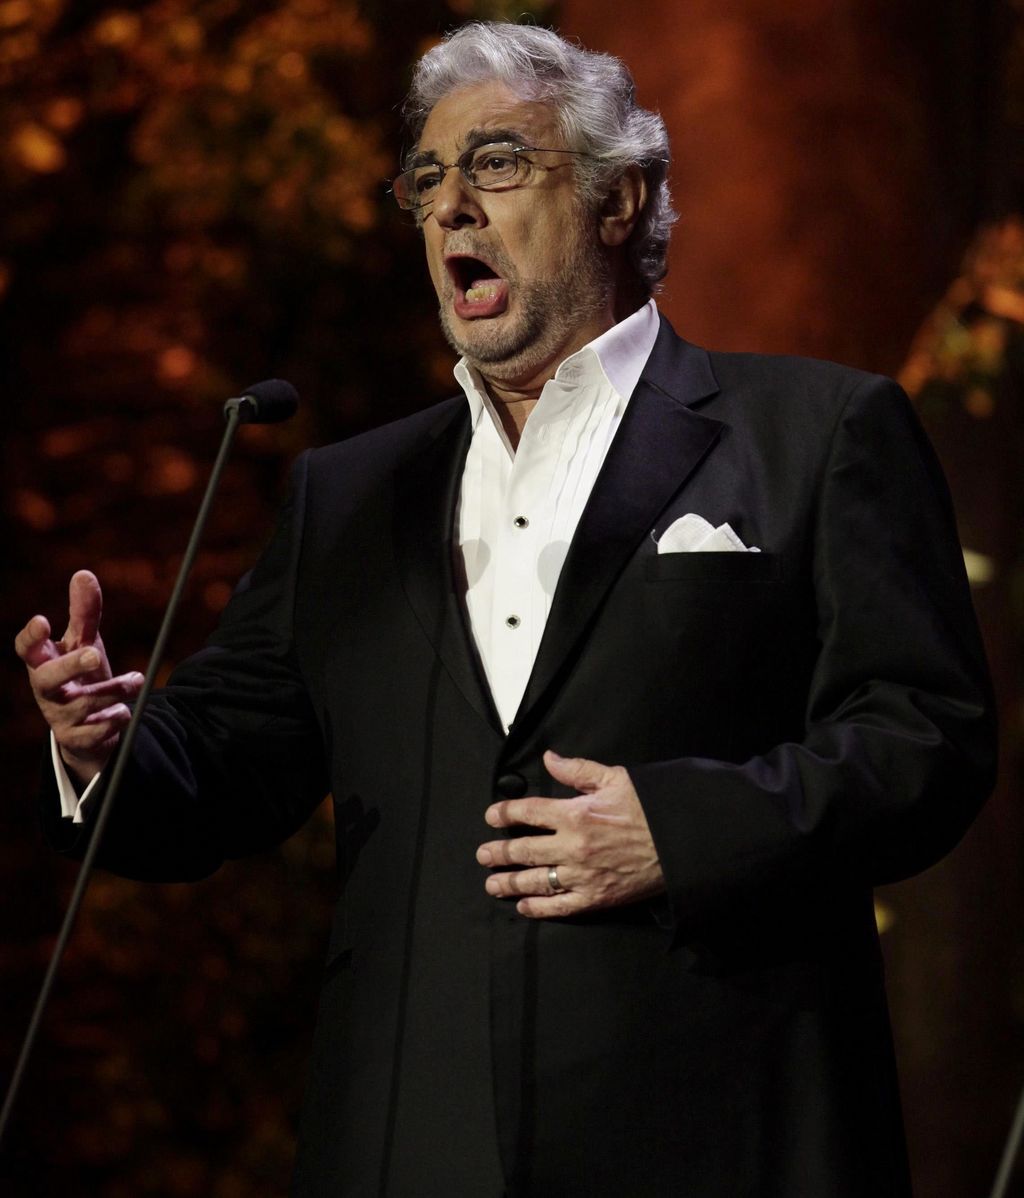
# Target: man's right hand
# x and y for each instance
(85, 707)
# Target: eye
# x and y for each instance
(493, 163)
(426, 180)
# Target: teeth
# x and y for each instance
(485, 291)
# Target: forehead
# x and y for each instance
(471, 112)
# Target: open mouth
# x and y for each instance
(479, 289)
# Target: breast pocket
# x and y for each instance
(713, 567)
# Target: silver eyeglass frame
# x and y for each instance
(463, 165)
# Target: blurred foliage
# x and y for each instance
(973, 337)
(965, 371)
(965, 368)
(194, 199)
(968, 352)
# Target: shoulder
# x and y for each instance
(386, 447)
(818, 398)
(359, 477)
(333, 482)
(811, 415)
(796, 379)
(762, 388)
(376, 457)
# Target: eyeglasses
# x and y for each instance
(485, 167)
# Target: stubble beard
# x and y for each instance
(549, 312)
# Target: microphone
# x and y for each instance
(268, 402)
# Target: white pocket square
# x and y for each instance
(692, 533)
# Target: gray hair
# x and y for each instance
(595, 100)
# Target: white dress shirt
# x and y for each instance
(518, 510)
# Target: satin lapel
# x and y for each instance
(660, 442)
(425, 506)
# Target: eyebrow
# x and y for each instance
(473, 139)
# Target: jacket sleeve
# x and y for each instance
(898, 750)
(229, 759)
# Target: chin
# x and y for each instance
(488, 341)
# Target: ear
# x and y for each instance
(621, 207)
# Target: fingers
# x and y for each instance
(578, 772)
(599, 842)
(514, 883)
(89, 718)
(117, 715)
(95, 734)
(33, 644)
(563, 842)
(94, 696)
(520, 850)
(85, 707)
(122, 689)
(537, 899)
(579, 889)
(85, 608)
(124, 686)
(555, 906)
(51, 677)
(533, 812)
(68, 703)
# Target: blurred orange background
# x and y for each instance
(193, 200)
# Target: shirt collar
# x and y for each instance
(617, 358)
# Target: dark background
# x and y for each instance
(192, 200)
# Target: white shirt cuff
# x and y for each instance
(72, 804)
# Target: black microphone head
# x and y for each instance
(268, 402)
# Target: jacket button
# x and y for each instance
(511, 786)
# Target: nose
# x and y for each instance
(455, 203)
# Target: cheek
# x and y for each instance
(538, 250)
(556, 243)
(435, 267)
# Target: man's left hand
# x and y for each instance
(598, 843)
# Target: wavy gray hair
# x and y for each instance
(595, 99)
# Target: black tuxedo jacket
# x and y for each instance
(800, 724)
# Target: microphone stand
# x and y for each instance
(1010, 1150)
(236, 411)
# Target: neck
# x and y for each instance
(515, 393)
(513, 412)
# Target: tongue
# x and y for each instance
(486, 297)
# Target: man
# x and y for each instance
(727, 588)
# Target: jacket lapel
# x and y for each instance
(425, 505)
(660, 442)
